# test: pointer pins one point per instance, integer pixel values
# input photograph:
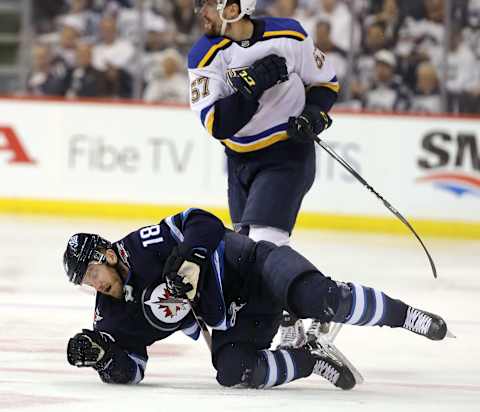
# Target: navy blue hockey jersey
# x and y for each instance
(142, 316)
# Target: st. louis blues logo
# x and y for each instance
(161, 313)
(457, 183)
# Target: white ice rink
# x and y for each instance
(40, 310)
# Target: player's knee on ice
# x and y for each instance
(235, 364)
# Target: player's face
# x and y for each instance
(210, 20)
(104, 279)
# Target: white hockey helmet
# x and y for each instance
(247, 7)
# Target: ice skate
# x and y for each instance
(292, 333)
(425, 324)
(330, 366)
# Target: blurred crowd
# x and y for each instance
(389, 55)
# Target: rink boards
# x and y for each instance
(109, 159)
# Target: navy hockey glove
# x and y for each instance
(310, 123)
(260, 76)
(90, 349)
(182, 271)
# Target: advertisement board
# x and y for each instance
(82, 155)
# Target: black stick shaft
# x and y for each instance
(203, 326)
(387, 204)
(198, 319)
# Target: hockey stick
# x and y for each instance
(200, 322)
(350, 169)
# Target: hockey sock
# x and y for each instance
(316, 296)
(372, 307)
(282, 366)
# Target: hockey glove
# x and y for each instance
(90, 349)
(260, 76)
(182, 271)
(311, 122)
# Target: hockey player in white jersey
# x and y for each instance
(261, 88)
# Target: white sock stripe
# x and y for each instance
(141, 364)
(377, 316)
(272, 369)
(290, 365)
(359, 308)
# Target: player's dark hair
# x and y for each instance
(237, 2)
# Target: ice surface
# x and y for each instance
(39, 311)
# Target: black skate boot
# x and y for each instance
(330, 366)
(292, 333)
(426, 324)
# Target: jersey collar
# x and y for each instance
(258, 30)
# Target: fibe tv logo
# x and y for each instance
(451, 163)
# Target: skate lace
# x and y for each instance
(327, 371)
(417, 321)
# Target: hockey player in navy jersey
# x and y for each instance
(262, 89)
(238, 287)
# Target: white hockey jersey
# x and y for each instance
(211, 58)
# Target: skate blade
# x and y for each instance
(450, 335)
(356, 374)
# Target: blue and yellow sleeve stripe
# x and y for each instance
(205, 51)
(280, 27)
(207, 117)
(333, 85)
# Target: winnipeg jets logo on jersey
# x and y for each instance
(161, 313)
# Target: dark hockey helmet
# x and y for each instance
(82, 248)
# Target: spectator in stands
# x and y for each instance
(471, 32)
(387, 93)
(44, 14)
(421, 39)
(288, 9)
(112, 50)
(391, 19)
(341, 21)
(79, 11)
(461, 70)
(364, 65)
(85, 80)
(426, 97)
(130, 22)
(119, 82)
(336, 55)
(183, 15)
(46, 78)
(168, 82)
(159, 38)
(69, 34)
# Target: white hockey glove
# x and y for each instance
(182, 273)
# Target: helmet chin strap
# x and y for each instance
(225, 21)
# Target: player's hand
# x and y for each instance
(89, 349)
(310, 123)
(182, 271)
(260, 76)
